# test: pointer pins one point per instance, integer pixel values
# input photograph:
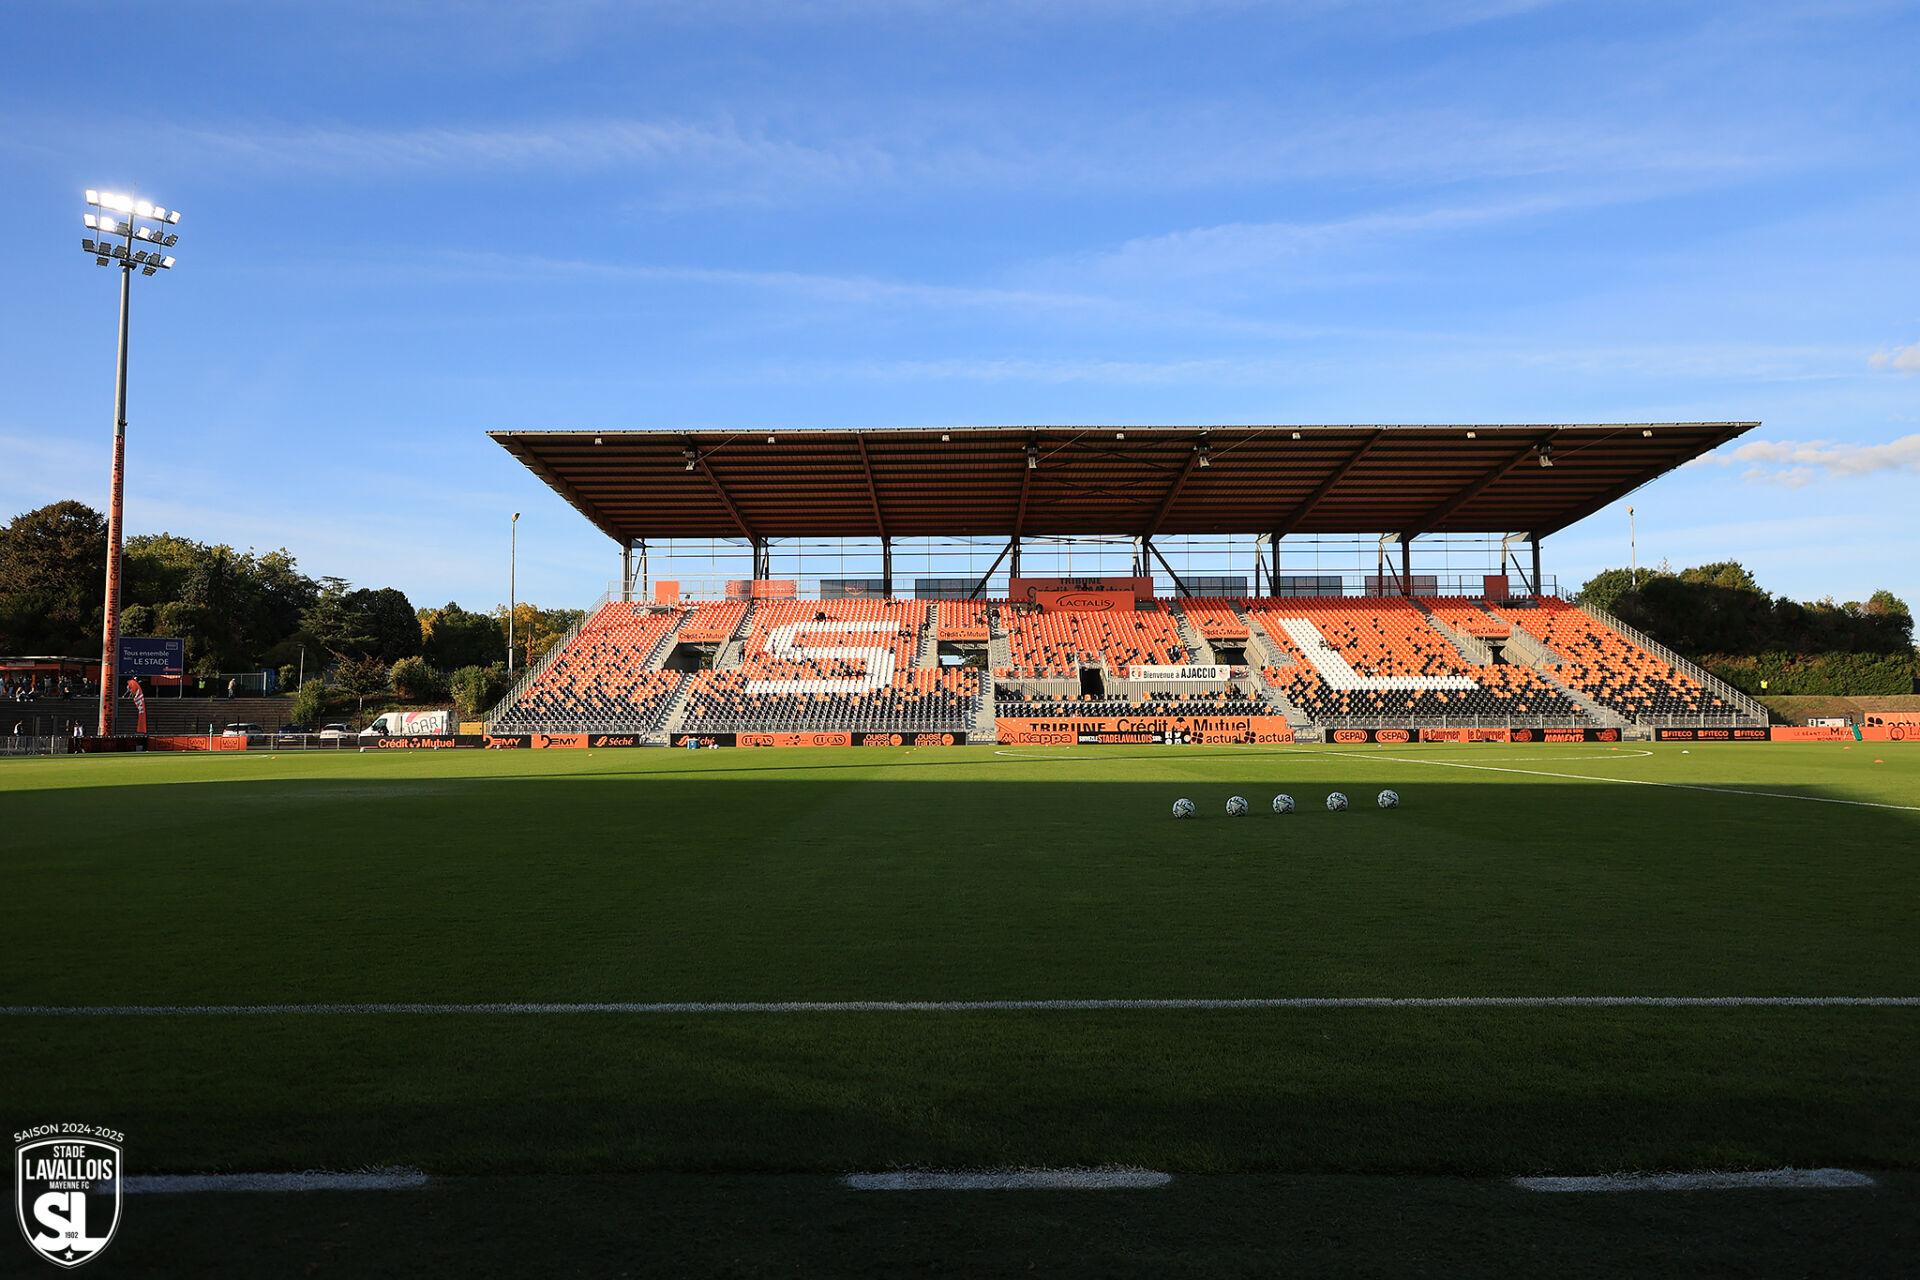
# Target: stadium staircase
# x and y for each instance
(733, 649)
(1197, 646)
(1750, 709)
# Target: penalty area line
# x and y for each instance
(1761, 1179)
(544, 1008)
(1649, 782)
(1100, 1179)
(313, 1180)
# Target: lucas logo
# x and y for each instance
(66, 1193)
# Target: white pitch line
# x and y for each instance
(1104, 1179)
(522, 1008)
(1647, 782)
(189, 1183)
(1765, 1179)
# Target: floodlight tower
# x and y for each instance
(130, 234)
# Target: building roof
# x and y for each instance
(996, 481)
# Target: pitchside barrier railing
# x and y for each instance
(33, 744)
(1726, 692)
(1308, 584)
(537, 669)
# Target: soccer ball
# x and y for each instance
(1389, 799)
(1236, 806)
(1283, 803)
(1336, 802)
(1183, 808)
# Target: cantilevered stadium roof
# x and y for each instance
(997, 481)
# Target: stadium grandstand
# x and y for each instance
(1209, 595)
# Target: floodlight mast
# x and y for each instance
(112, 243)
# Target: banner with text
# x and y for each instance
(1068, 731)
(1743, 733)
(1028, 589)
(1181, 675)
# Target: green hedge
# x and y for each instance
(1844, 674)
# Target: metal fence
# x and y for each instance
(29, 744)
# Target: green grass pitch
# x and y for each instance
(966, 874)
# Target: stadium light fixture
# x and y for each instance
(105, 224)
(1546, 457)
(1033, 458)
(513, 602)
(1203, 454)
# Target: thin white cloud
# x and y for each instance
(1796, 463)
(1255, 246)
(1897, 359)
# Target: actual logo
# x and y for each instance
(66, 1191)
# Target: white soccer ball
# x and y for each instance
(1236, 806)
(1283, 803)
(1183, 808)
(1336, 802)
(1389, 799)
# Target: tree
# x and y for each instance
(1730, 574)
(387, 619)
(332, 624)
(476, 689)
(463, 639)
(53, 569)
(1604, 589)
(415, 681)
(360, 677)
(310, 703)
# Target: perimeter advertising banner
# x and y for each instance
(1066, 731)
(1716, 734)
(1569, 734)
(1461, 734)
(822, 738)
(1396, 737)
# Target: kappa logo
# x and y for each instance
(66, 1191)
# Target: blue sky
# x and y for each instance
(407, 223)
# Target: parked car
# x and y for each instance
(334, 732)
(241, 729)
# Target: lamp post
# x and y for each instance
(513, 606)
(1633, 553)
(130, 234)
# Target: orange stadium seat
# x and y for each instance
(600, 680)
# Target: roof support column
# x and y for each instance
(886, 566)
(1178, 585)
(981, 585)
(1013, 567)
(626, 572)
(762, 559)
(1536, 563)
(1273, 563)
(1406, 564)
